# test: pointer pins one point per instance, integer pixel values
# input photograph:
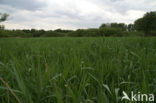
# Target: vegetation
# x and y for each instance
(147, 23)
(80, 70)
(145, 26)
(3, 16)
(92, 32)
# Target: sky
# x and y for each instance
(72, 14)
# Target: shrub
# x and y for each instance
(92, 32)
(108, 31)
(132, 33)
(153, 33)
(53, 34)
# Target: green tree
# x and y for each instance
(130, 27)
(1, 26)
(103, 25)
(109, 31)
(3, 17)
(147, 23)
(121, 26)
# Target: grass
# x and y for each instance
(76, 70)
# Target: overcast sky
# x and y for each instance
(72, 14)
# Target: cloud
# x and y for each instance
(122, 6)
(24, 4)
(69, 14)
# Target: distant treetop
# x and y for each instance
(3, 17)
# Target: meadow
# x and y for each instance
(76, 70)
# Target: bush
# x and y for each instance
(153, 33)
(14, 33)
(92, 32)
(108, 31)
(52, 34)
(2, 33)
(133, 33)
(84, 32)
(77, 33)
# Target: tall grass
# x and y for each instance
(76, 70)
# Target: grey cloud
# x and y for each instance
(122, 6)
(34, 13)
(23, 4)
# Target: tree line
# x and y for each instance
(145, 26)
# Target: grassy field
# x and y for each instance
(76, 70)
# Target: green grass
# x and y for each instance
(76, 70)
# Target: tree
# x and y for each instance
(103, 25)
(110, 31)
(3, 17)
(1, 26)
(121, 26)
(147, 23)
(130, 27)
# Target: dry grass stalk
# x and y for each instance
(7, 86)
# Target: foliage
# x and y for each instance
(147, 23)
(153, 32)
(108, 31)
(3, 17)
(132, 34)
(103, 25)
(2, 27)
(53, 34)
(121, 26)
(92, 32)
(80, 70)
(130, 27)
